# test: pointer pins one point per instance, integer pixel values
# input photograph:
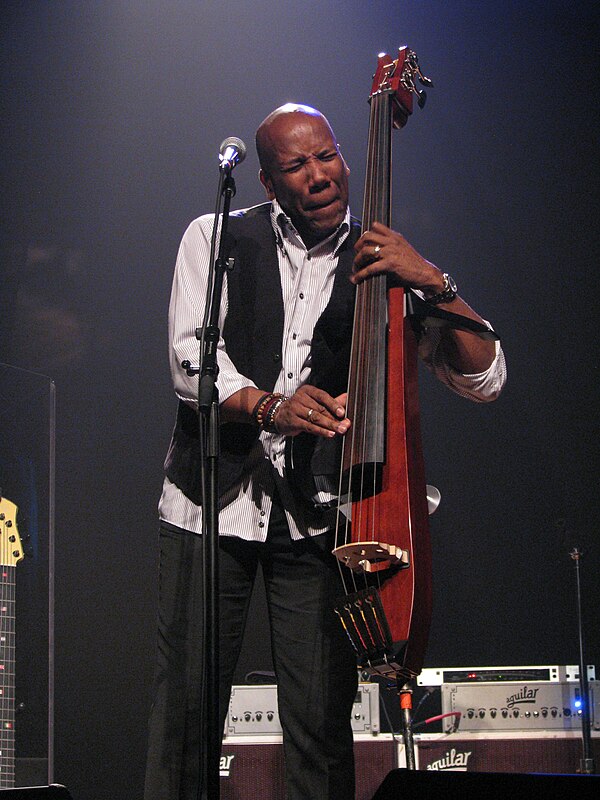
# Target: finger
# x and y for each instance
(320, 400)
(318, 419)
(368, 242)
(368, 270)
(322, 425)
(342, 400)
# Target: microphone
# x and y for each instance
(231, 152)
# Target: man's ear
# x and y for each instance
(346, 167)
(266, 182)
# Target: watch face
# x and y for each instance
(452, 284)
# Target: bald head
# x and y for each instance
(279, 120)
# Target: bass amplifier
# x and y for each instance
(253, 711)
(253, 767)
(514, 706)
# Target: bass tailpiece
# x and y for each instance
(365, 623)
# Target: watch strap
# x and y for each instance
(447, 294)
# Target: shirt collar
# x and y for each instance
(284, 229)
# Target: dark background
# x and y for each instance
(113, 113)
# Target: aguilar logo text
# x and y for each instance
(225, 766)
(524, 696)
(453, 760)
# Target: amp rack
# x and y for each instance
(436, 676)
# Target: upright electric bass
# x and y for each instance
(382, 531)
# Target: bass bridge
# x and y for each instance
(371, 556)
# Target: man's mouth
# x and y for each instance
(320, 206)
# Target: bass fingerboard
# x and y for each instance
(7, 677)
(11, 552)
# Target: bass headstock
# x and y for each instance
(11, 550)
(399, 77)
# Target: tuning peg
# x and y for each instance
(412, 69)
(413, 60)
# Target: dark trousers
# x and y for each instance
(314, 662)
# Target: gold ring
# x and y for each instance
(311, 411)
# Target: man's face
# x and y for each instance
(307, 174)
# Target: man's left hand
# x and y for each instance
(382, 250)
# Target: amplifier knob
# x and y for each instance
(528, 714)
(505, 713)
(516, 712)
(258, 716)
(493, 713)
(481, 713)
(470, 713)
(270, 716)
(536, 713)
(247, 716)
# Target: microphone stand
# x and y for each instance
(208, 422)
(586, 764)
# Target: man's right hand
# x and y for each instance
(311, 410)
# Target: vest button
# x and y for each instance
(276, 357)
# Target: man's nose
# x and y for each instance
(317, 176)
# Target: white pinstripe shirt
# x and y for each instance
(306, 281)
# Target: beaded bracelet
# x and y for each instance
(264, 407)
(261, 415)
(259, 408)
(271, 414)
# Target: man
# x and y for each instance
(291, 259)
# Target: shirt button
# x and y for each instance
(261, 524)
(308, 256)
(262, 513)
(290, 374)
(301, 295)
(294, 336)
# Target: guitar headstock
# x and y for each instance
(399, 77)
(11, 549)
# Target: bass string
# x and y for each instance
(365, 352)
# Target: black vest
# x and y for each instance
(253, 334)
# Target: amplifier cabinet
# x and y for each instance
(495, 752)
(253, 768)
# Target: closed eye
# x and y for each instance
(328, 155)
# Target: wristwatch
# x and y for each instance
(447, 294)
